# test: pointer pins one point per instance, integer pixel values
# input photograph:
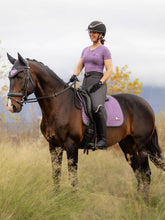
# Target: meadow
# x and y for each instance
(106, 190)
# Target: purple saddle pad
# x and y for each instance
(114, 113)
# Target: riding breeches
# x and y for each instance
(97, 97)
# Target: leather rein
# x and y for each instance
(24, 95)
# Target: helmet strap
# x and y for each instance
(98, 38)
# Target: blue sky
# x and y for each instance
(54, 32)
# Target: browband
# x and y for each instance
(15, 71)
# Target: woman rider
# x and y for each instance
(94, 58)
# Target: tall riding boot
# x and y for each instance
(100, 120)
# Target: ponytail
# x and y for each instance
(102, 40)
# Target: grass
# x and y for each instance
(107, 187)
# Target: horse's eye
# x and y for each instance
(19, 76)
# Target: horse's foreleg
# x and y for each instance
(72, 156)
(56, 158)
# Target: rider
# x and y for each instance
(94, 58)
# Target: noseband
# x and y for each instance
(24, 95)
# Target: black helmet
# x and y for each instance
(97, 26)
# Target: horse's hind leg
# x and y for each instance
(145, 172)
(128, 147)
(137, 157)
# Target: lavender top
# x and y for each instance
(94, 59)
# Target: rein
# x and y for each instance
(31, 100)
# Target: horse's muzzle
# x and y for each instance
(13, 106)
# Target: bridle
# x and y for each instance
(29, 79)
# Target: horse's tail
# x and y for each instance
(155, 152)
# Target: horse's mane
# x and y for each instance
(48, 70)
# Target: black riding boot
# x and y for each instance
(101, 128)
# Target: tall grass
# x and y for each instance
(107, 187)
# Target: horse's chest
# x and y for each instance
(51, 132)
(51, 136)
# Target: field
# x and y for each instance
(107, 187)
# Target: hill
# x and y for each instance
(155, 96)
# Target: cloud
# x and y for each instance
(54, 32)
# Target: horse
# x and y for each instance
(62, 125)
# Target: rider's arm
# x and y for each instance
(108, 67)
(79, 67)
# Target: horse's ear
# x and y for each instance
(22, 60)
(11, 59)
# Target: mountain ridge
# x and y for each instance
(155, 96)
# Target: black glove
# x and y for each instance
(95, 87)
(73, 78)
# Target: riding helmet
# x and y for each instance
(97, 26)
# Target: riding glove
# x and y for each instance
(95, 87)
(73, 78)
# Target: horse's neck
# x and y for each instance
(46, 85)
(46, 82)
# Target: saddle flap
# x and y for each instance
(85, 102)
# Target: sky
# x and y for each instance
(54, 32)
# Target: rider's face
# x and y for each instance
(93, 36)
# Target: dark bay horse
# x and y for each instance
(62, 124)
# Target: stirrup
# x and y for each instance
(101, 148)
(94, 147)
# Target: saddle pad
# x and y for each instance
(114, 113)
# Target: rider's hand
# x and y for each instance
(73, 78)
(95, 87)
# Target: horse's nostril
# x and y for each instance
(14, 108)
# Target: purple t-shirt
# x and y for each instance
(94, 59)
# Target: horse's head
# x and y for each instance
(21, 83)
